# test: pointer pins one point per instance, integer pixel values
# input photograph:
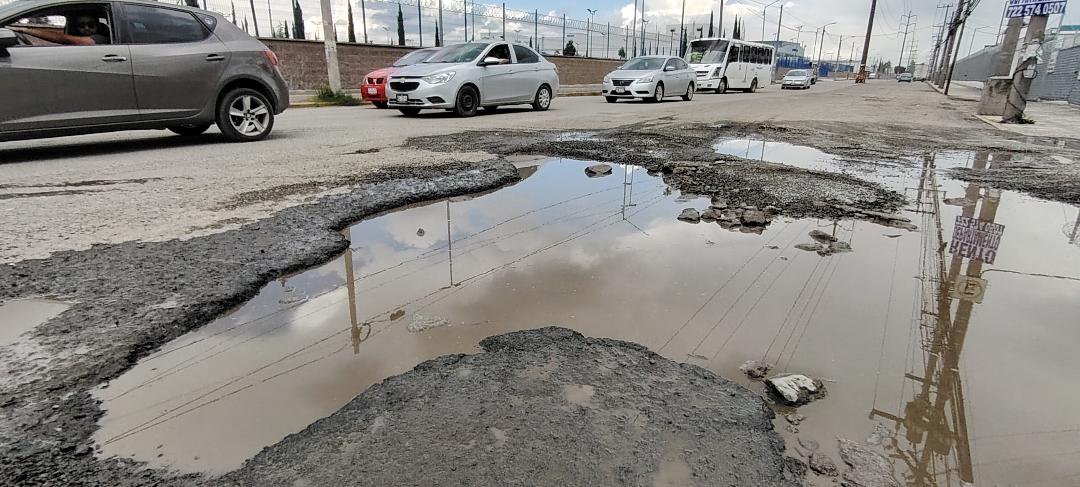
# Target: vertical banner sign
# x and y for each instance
(1027, 8)
(975, 239)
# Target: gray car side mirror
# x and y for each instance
(490, 61)
(7, 39)
(669, 68)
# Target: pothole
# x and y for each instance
(607, 256)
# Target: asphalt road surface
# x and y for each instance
(69, 193)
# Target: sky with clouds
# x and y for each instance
(850, 18)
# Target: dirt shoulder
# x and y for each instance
(540, 407)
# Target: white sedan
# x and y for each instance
(650, 78)
(796, 78)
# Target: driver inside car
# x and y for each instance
(82, 30)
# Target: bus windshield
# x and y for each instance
(706, 52)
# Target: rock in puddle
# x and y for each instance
(795, 418)
(598, 170)
(710, 215)
(822, 237)
(690, 215)
(754, 217)
(810, 247)
(868, 468)
(755, 369)
(795, 390)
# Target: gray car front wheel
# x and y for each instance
(244, 115)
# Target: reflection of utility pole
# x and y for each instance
(935, 419)
(350, 284)
(449, 243)
(1076, 230)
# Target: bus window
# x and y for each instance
(769, 56)
(761, 55)
(734, 56)
(746, 54)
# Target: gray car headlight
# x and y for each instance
(438, 79)
(607, 78)
(646, 79)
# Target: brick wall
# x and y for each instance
(304, 63)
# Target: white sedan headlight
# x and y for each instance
(438, 79)
(646, 79)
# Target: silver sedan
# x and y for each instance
(650, 78)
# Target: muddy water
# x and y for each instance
(21, 315)
(950, 388)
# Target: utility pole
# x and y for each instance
(838, 48)
(903, 43)
(821, 45)
(633, 32)
(1025, 71)
(333, 74)
(643, 22)
(363, 18)
(861, 78)
(682, 27)
(965, 8)
(503, 19)
(588, 31)
(441, 27)
(950, 40)
(779, 24)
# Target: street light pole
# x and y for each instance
(764, 20)
(588, 31)
(821, 44)
(643, 22)
(779, 25)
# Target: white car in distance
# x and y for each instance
(464, 77)
(650, 78)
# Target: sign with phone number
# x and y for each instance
(1027, 8)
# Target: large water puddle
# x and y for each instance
(974, 382)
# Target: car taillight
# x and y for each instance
(271, 57)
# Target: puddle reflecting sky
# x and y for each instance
(20, 315)
(607, 256)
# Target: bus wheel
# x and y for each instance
(722, 88)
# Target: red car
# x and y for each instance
(373, 86)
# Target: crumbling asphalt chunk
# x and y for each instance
(868, 468)
(114, 321)
(604, 412)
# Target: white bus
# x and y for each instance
(723, 64)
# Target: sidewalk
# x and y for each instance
(1052, 118)
(306, 98)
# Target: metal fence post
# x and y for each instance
(536, 29)
(563, 45)
(607, 42)
(465, 17)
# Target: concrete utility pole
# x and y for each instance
(838, 48)
(821, 45)
(950, 39)
(965, 8)
(764, 11)
(1002, 62)
(633, 32)
(1025, 71)
(441, 27)
(861, 78)
(503, 20)
(779, 24)
(333, 74)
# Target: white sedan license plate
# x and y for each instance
(403, 98)
(620, 90)
(372, 91)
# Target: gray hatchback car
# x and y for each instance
(71, 67)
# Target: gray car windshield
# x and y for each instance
(414, 57)
(460, 53)
(644, 64)
(706, 52)
(796, 72)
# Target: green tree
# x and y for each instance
(710, 24)
(569, 50)
(400, 27)
(298, 20)
(622, 53)
(352, 30)
(438, 38)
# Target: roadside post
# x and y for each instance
(1025, 72)
(333, 74)
(998, 85)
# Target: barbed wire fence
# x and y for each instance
(376, 22)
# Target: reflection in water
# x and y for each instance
(934, 420)
(561, 248)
